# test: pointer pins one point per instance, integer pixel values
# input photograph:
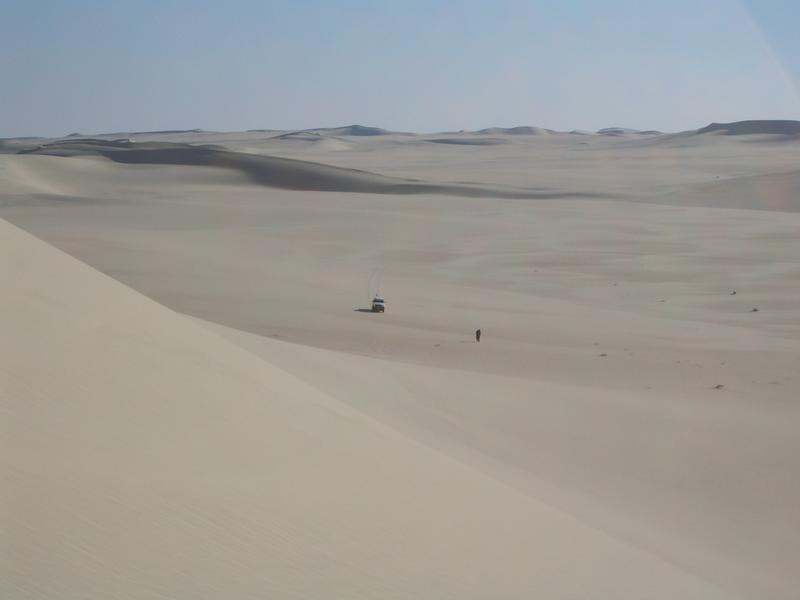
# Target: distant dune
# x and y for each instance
(355, 130)
(278, 172)
(523, 130)
(304, 136)
(129, 133)
(167, 131)
(626, 131)
(761, 126)
(754, 127)
(616, 131)
(468, 141)
(316, 140)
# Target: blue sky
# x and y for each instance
(417, 65)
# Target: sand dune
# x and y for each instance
(626, 131)
(279, 172)
(522, 130)
(354, 130)
(627, 428)
(325, 142)
(538, 437)
(775, 192)
(465, 141)
(92, 179)
(774, 127)
(305, 136)
(162, 461)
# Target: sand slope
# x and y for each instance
(390, 455)
(354, 130)
(605, 454)
(144, 457)
(775, 192)
(279, 172)
(521, 130)
(774, 127)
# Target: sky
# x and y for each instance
(93, 66)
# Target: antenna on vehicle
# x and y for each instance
(375, 279)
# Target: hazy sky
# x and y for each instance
(418, 65)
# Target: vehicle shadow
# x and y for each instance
(366, 310)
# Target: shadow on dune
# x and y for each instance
(285, 173)
(468, 141)
(753, 127)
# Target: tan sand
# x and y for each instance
(627, 427)
(144, 457)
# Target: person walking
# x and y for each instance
(478, 335)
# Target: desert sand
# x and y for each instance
(196, 403)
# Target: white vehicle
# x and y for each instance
(378, 304)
